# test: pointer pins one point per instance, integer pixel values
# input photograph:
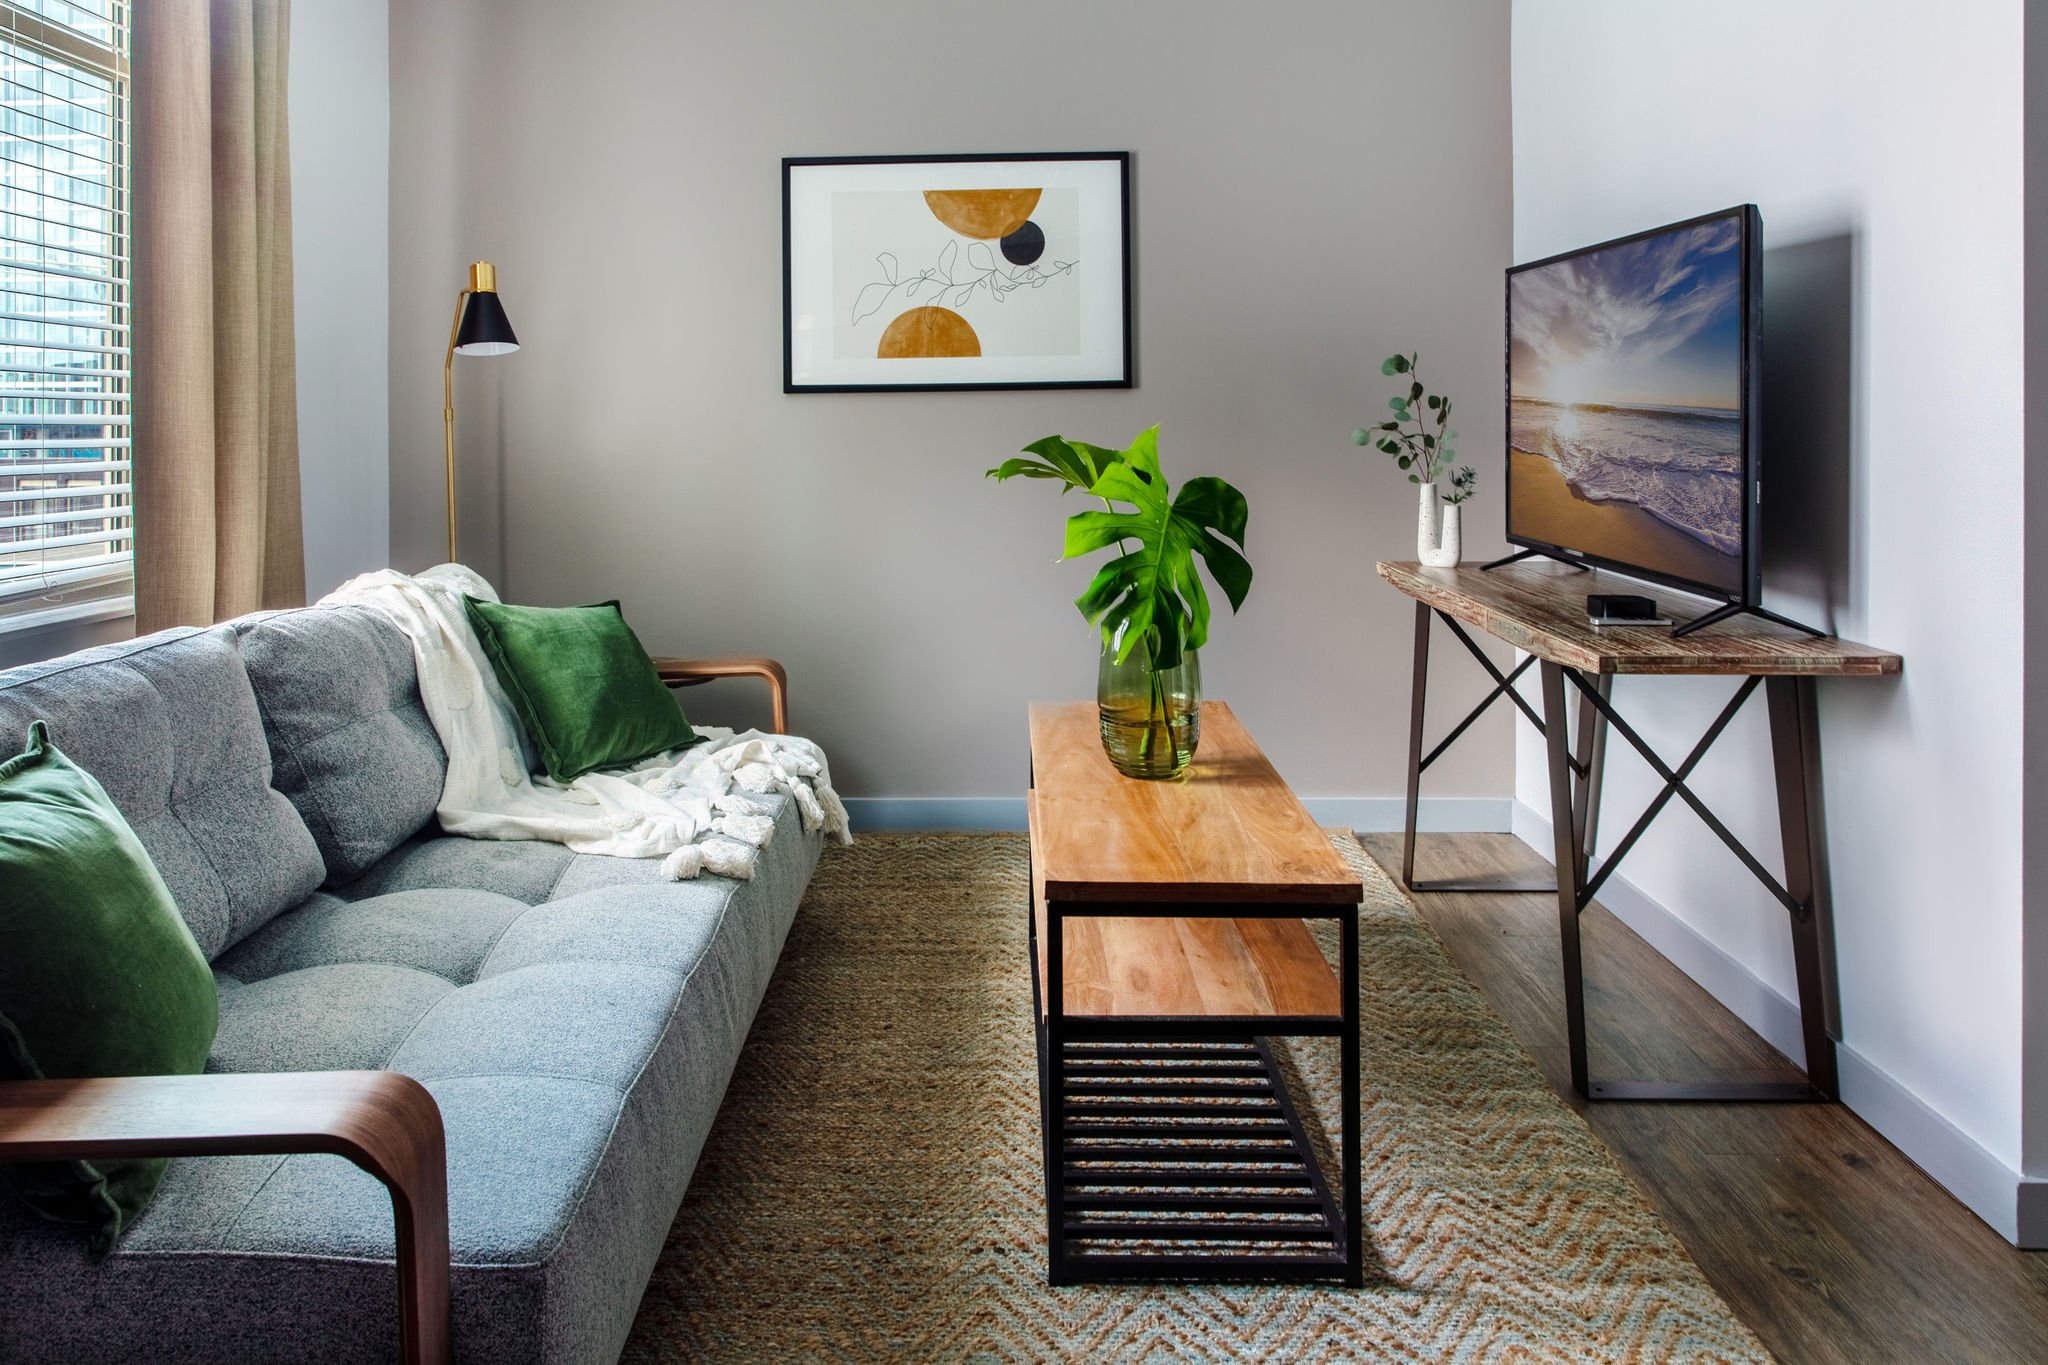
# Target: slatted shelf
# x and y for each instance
(1195, 1185)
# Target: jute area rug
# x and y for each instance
(873, 1187)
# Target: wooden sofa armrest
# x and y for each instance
(690, 672)
(384, 1122)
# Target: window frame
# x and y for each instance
(30, 30)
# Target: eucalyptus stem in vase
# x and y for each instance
(1148, 602)
(1425, 456)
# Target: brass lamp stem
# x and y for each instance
(448, 416)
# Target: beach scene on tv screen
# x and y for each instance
(1624, 406)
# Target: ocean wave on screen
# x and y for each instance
(1681, 465)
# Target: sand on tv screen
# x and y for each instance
(1625, 428)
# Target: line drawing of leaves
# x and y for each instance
(984, 273)
(880, 291)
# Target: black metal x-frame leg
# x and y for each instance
(1795, 748)
(1586, 760)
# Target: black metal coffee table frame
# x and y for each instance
(1183, 1074)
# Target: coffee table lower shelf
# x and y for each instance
(1184, 1159)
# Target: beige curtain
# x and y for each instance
(217, 528)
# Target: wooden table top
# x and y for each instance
(1229, 832)
(1539, 606)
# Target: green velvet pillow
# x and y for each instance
(582, 685)
(99, 977)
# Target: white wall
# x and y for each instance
(1883, 144)
(340, 110)
(1305, 204)
(2036, 739)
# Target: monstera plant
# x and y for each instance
(1148, 601)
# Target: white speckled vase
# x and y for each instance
(1438, 536)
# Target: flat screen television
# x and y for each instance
(1632, 405)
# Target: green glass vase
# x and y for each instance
(1151, 718)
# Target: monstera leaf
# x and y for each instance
(1077, 464)
(1151, 592)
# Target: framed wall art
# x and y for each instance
(956, 272)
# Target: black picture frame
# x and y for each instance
(1121, 352)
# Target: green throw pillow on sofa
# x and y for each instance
(582, 685)
(99, 977)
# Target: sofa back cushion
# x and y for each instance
(350, 741)
(169, 726)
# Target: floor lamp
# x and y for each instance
(480, 328)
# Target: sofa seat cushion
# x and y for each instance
(530, 1025)
(342, 1018)
(668, 924)
(527, 870)
(578, 1049)
(349, 735)
(169, 726)
(528, 1145)
(448, 933)
(586, 1021)
(438, 983)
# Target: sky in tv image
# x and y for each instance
(1624, 376)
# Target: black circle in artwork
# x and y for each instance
(1025, 245)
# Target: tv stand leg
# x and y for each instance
(1738, 609)
(1518, 555)
(1418, 692)
(1788, 621)
(1701, 623)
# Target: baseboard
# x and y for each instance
(2015, 1206)
(949, 814)
(1433, 814)
(2033, 1217)
(1371, 814)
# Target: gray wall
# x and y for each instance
(1316, 184)
(341, 206)
(1893, 465)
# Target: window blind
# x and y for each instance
(66, 497)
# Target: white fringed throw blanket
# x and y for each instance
(697, 809)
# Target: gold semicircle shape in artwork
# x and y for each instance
(925, 332)
(984, 214)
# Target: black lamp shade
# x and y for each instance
(485, 329)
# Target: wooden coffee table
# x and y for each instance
(1168, 942)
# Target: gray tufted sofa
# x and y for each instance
(575, 1018)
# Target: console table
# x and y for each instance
(1167, 945)
(1540, 609)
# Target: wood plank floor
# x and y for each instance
(1827, 1241)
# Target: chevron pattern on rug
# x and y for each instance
(873, 1188)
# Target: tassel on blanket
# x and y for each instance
(753, 830)
(732, 803)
